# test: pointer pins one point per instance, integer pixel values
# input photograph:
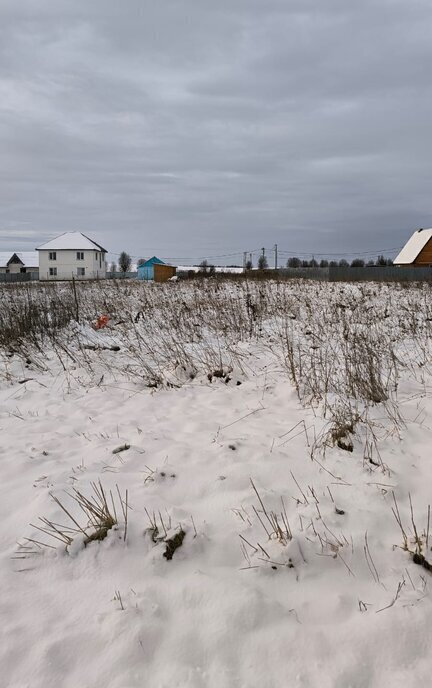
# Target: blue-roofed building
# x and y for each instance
(156, 270)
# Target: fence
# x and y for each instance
(18, 276)
(378, 273)
(384, 273)
(122, 275)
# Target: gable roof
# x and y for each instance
(152, 261)
(73, 241)
(5, 257)
(29, 259)
(413, 246)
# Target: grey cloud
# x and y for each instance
(192, 129)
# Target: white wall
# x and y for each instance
(15, 269)
(12, 268)
(67, 265)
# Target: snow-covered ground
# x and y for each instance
(282, 428)
(217, 269)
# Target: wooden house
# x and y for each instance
(155, 270)
(417, 252)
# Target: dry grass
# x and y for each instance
(100, 516)
(339, 344)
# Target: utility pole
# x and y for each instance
(263, 252)
(275, 252)
(244, 259)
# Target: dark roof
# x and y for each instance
(95, 242)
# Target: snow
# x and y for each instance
(313, 610)
(28, 258)
(412, 248)
(70, 241)
(5, 257)
(217, 268)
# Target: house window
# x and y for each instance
(80, 272)
(80, 255)
(53, 255)
(53, 272)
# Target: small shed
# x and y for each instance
(156, 270)
(417, 251)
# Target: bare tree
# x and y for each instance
(207, 268)
(125, 262)
(262, 263)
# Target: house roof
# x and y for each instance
(413, 246)
(73, 241)
(29, 259)
(152, 261)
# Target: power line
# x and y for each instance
(220, 255)
(281, 252)
(346, 253)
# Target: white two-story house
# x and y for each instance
(71, 255)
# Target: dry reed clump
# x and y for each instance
(417, 543)
(31, 314)
(161, 530)
(99, 510)
(341, 434)
(276, 528)
(282, 549)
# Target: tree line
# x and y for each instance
(295, 262)
(125, 261)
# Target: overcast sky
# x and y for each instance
(200, 128)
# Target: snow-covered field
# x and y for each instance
(263, 440)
